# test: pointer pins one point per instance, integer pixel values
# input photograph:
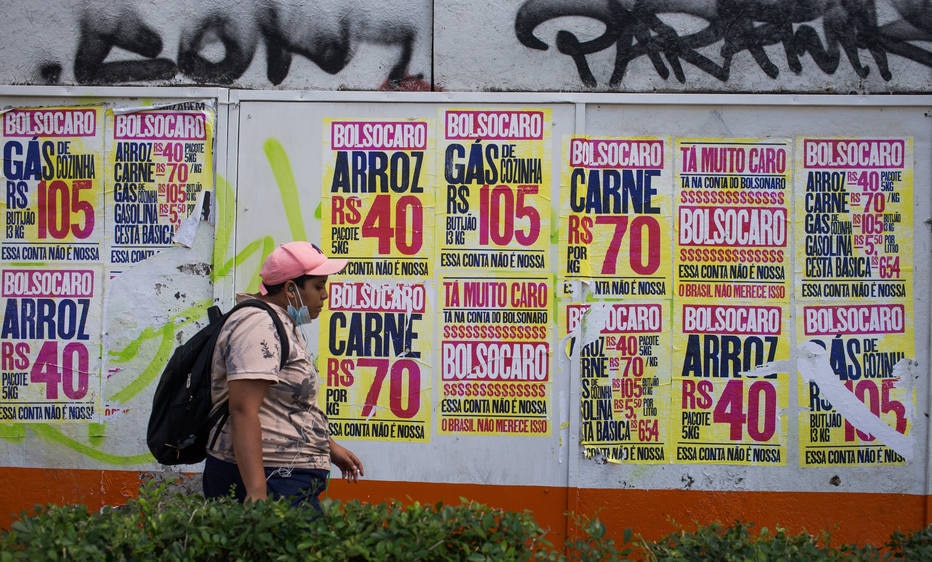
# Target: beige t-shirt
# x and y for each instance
(294, 429)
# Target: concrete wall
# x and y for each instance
(270, 183)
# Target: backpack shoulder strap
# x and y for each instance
(279, 327)
(219, 417)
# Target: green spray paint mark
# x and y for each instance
(166, 346)
(223, 230)
(96, 433)
(287, 186)
(52, 434)
(554, 226)
(13, 432)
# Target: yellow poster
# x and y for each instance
(732, 219)
(159, 161)
(378, 196)
(616, 216)
(495, 214)
(625, 382)
(728, 410)
(495, 355)
(854, 283)
(378, 200)
(53, 231)
(374, 358)
(732, 278)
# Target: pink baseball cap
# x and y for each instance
(294, 259)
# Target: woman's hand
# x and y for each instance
(349, 464)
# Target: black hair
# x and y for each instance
(299, 281)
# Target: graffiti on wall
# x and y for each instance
(218, 45)
(638, 29)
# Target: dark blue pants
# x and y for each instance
(300, 486)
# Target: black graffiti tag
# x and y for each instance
(330, 49)
(129, 32)
(849, 26)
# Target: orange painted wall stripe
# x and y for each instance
(862, 518)
(24, 488)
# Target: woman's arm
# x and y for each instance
(246, 396)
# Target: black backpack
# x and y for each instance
(181, 420)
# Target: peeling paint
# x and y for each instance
(186, 231)
(201, 269)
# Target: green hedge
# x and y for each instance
(163, 525)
